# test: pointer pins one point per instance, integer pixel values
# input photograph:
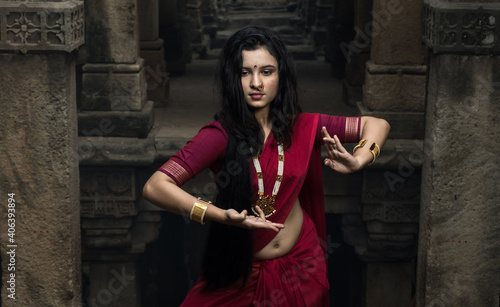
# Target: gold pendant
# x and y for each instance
(266, 204)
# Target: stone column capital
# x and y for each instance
(41, 26)
(462, 27)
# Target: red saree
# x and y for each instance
(300, 277)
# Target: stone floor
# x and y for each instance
(193, 102)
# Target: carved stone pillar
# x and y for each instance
(115, 119)
(117, 226)
(382, 224)
(395, 79)
(152, 52)
(40, 227)
(458, 245)
(394, 89)
(114, 91)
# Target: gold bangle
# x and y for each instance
(360, 144)
(374, 157)
(375, 150)
(198, 211)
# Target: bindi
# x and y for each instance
(255, 66)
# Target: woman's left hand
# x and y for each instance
(338, 158)
(248, 221)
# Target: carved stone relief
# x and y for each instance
(471, 27)
(107, 184)
(42, 26)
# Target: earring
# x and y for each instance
(260, 87)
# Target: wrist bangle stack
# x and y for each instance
(198, 211)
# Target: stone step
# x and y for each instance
(277, 18)
(290, 35)
(237, 21)
(256, 9)
(246, 4)
(299, 52)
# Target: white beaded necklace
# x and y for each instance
(266, 202)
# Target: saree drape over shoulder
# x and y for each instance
(300, 277)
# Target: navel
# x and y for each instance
(276, 245)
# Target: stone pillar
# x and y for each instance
(40, 242)
(394, 89)
(383, 231)
(395, 77)
(175, 32)
(116, 228)
(309, 9)
(152, 52)
(458, 246)
(340, 32)
(195, 14)
(115, 119)
(319, 31)
(212, 16)
(357, 52)
(114, 91)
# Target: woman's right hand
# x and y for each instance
(244, 220)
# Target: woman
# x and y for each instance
(268, 219)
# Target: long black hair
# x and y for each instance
(228, 256)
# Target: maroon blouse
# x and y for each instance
(207, 148)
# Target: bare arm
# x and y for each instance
(162, 191)
(374, 130)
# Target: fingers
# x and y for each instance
(273, 226)
(276, 227)
(269, 225)
(234, 216)
(260, 222)
(328, 140)
(325, 132)
(340, 148)
(332, 145)
(260, 212)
